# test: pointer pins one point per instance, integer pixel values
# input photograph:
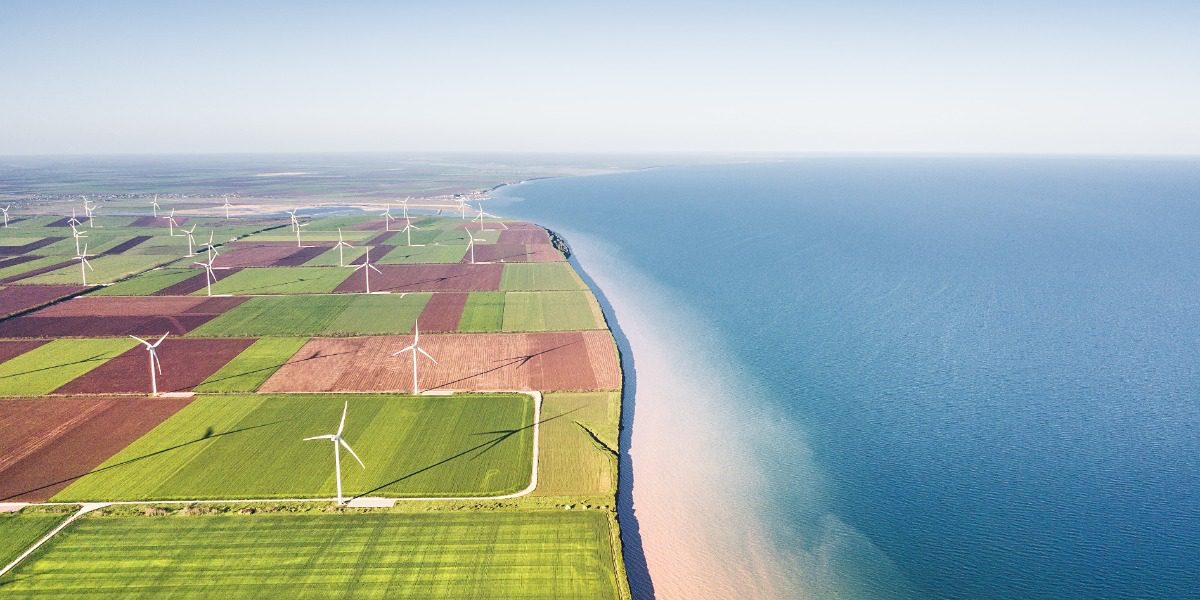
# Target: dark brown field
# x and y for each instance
(30, 247)
(112, 315)
(186, 363)
(513, 235)
(14, 348)
(49, 442)
(260, 254)
(193, 284)
(303, 255)
(443, 312)
(429, 278)
(550, 362)
(514, 253)
(19, 298)
(125, 245)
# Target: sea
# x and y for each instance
(942, 377)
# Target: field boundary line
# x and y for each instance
(87, 507)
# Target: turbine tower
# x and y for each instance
(415, 347)
(226, 206)
(209, 276)
(5, 211)
(172, 223)
(190, 240)
(75, 233)
(154, 205)
(154, 363)
(387, 218)
(84, 265)
(338, 444)
(366, 266)
(340, 246)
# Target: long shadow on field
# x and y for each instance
(518, 361)
(207, 436)
(267, 368)
(479, 450)
(101, 356)
(431, 280)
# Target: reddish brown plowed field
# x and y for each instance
(514, 253)
(14, 348)
(192, 284)
(125, 245)
(513, 235)
(429, 278)
(576, 360)
(186, 363)
(373, 224)
(382, 238)
(49, 442)
(302, 255)
(256, 255)
(443, 312)
(24, 297)
(31, 246)
(37, 271)
(113, 315)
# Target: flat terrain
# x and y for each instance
(552, 555)
(280, 280)
(566, 361)
(186, 363)
(48, 442)
(331, 315)
(253, 366)
(252, 447)
(118, 316)
(21, 529)
(51, 365)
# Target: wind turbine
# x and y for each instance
(84, 265)
(366, 266)
(154, 205)
(340, 245)
(483, 214)
(415, 347)
(295, 224)
(77, 234)
(409, 227)
(171, 223)
(226, 206)
(90, 211)
(73, 221)
(155, 365)
(387, 218)
(5, 211)
(338, 444)
(298, 226)
(209, 245)
(209, 276)
(462, 208)
(470, 243)
(191, 240)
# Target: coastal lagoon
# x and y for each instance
(903, 377)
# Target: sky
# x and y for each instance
(914, 76)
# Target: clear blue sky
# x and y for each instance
(882, 76)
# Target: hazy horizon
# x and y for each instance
(761, 77)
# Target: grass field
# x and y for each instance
(52, 365)
(147, 283)
(540, 276)
(252, 447)
(21, 529)
(484, 312)
(424, 254)
(253, 366)
(106, 269)
(345, 314)
(577, 457)
(330, 257)
(551, 311)
(561, 554)
(37, 263)
(280, 280)
(309, 234)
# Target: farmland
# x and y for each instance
(118, 316)
(232, 446)
(560, 554)
(540, 276)
(149, 282)
(106, 269)
(253, 366)
(185, 364)
(280, 280)
(579, 439)
(20, 529)
(343, 314)
(51, 365)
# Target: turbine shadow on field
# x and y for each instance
(479, 449)
(101, 356)
(518, 361)
(208, 435)
(268, 368)
(441, 279)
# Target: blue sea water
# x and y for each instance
(993, 360)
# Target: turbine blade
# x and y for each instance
(403, 350)
(319, 437)
(160, 340)
(351, 451)
(140, 340)
(342, 425)
(422, 351)
(373, 267)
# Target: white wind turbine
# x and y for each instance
(471, 242)
(155, 365)
(408, 226)
(338, 444)
(415, 347)
(210, 277)
(90, 211)
(77, 234)
(295, 224)
(298, 226)
(190, 240)
(172, 223)
(211, 248)
(387, 218)
(462, 208)
(154, 205)
(5, 211)
(227, 206)
(84, 265)
(340, 246)
(73, 221)
(366, 266)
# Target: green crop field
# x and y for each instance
(560, 554)
(578, 440)
(424, 254)
(51, 365)
(540, 276)
(19, 530)
(19, 240)
(308, 234)
(330, 257)
(253, 366)
(252, 447)
(280, 280)
(37, 263)
(551, 311)
(105, 269)
(484, 312)
(148, 283)
(342, 314)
